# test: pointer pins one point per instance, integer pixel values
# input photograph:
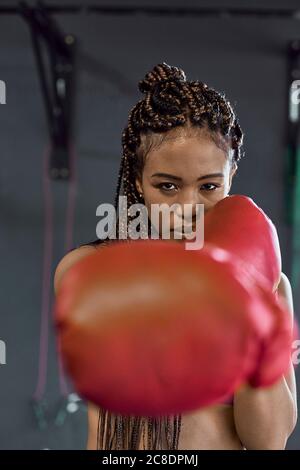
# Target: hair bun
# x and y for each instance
(161, 73)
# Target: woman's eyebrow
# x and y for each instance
(177, 178)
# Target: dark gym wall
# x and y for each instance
(244, 57)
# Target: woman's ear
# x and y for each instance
(138, 185)
(234, 168)
(232, 173)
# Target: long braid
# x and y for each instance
(171, 105)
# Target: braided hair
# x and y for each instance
(171, 106)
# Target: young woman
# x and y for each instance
(182, 145)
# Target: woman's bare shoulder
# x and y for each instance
(69, 259)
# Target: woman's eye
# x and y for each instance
(164, 187)
(209, 187)
(169, 187)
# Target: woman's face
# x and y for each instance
(188, 170)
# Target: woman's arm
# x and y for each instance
(265, 417)
(93, 414)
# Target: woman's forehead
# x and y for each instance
(187, 155)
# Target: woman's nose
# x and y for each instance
(188, 196)
(191, 197)
(187, 205)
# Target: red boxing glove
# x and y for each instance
(238, 225)
(275, 348)
(148, 328)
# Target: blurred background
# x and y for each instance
(94, 57)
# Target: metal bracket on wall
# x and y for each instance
(57, 79)
(292, 189)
